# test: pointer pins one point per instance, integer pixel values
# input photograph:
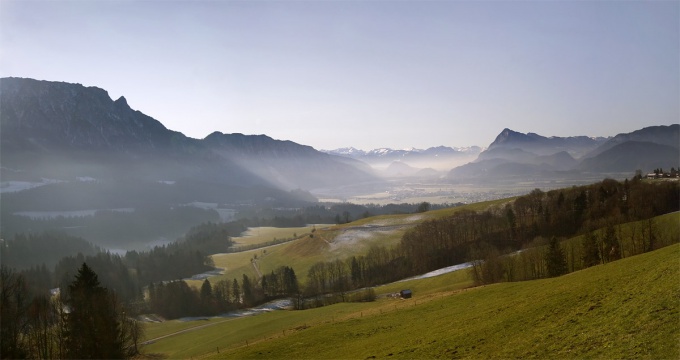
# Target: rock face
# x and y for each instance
(62, 116)
(57, 129)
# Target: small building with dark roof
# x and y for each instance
(406, 294)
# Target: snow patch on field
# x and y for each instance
(441, 271)
(353, 236)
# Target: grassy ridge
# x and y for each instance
(625, 309)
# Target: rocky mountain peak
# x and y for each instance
(508, 136)
(122, 102)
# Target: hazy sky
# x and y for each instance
(365, 74)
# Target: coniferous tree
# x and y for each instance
(591, 251)
(93, 330)
(248, 291)
(555, 259)
(236, 292)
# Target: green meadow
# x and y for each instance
(625, 309)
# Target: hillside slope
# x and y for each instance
(625, 309)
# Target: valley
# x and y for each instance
(193, 236)
(339, 180)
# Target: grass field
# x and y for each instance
(227, 333)
(625, 309)
(264, 234)
(329, 242)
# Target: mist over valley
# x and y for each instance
(72, 156)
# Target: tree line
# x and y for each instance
(332, 213)
(175, 299)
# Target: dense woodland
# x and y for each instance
(520, 240)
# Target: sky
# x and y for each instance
(366, 74)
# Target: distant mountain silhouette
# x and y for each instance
(662, 135)
(62, 131)
(635, 155)
(514, 154)
(576, 146)
(441, 158)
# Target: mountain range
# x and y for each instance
(411, 162)
(58, 130)
(63, 132)
(518, 155)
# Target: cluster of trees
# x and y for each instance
(380, 265)
(281, 282)
(660, 173)
(86, 321)
(176, 299)
(593, 215)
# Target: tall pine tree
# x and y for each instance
(93, 330)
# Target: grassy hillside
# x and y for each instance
(233, 332)
(326, 243)
(265, 234)
(625, 309)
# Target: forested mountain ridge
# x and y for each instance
(92, 135)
